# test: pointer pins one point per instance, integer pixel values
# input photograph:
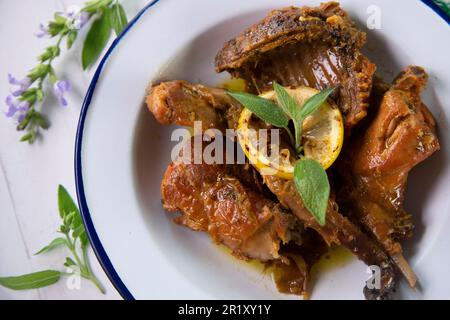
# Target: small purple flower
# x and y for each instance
(23, 84)
(59, 88)
(43, 31)
(80, 20)
(16, 109)
(76, 18)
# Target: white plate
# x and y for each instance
(121, 152)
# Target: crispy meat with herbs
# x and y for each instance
(316, 47)
(319, 48)
(179, 102)
(224, 201)
(211, 198)
(375, 166)
(338, 229)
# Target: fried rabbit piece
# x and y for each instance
(338, 230)
(318, 47)
(375, 168)
(211, 198)
(179, 102)
(220, 200)
(369, 252)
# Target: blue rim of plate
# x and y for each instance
(97, 246)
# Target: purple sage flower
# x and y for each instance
(59, 88)
(76, 18)
(23, 84)
(80, 20)
(16, 109)
(43, 31)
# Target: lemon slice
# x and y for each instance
(322, 137)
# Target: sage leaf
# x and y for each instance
(96, 40)
(71, 215)
(69, 262)
(92, 6)
(71, 37)
(79, 232)
(313, 103)
(312, 183)
(264, 109)
(118, 18)
(65, 203)
(54, 244)
(31, 281)
(285, 100)
(292, 109)
(25, 137)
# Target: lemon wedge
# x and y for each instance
(322, 137)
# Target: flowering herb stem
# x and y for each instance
(22, 103)
(74, 239)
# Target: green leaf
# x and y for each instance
(71, 215)
(33, 135)
(25, 137)
(25, 122)
(40, 120)
(285, 100)
(49, 53)
(444, 6)
(31, 281)
(65, 203)
(290, 106)
(71, 37)
(69, 262)
(118, 18)
(96, 40)
(59, 19)
(39, 96)
(313, 186)
(92, 6)
(265, 109)
(313, 103)
(79, 232)
(56, 27)
(68, 219)
(29, 96)
(54, 244)
(40, 71)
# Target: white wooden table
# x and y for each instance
(29, 175)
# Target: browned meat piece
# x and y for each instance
(211, 198)
(178, 102)
(292, 276)
(375, 167)
(227, 201)
(337, 230)
(341, 231)
(317, 47)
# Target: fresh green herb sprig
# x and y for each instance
(310, 178)
(74, 238)
(444, 5)
(108, 15)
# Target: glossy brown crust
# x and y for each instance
(338, 230)
(317, 47)
(193, 190)
(179, 102)
(211, 198)
(327, 22)
(375, 167)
